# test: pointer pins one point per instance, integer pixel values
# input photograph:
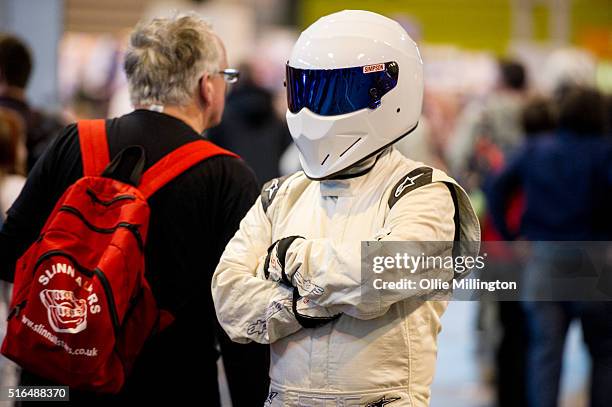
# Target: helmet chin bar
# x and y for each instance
(338, 174)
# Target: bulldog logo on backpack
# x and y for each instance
(66, 313)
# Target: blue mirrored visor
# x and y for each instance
(331, 92)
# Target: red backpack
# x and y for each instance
(81, 308)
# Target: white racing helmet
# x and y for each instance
(354, 86)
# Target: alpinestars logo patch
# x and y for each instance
(272, 188)
(411, 181)
(383, 401)
(408, 182)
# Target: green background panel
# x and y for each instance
(541, 19)
(591, 13)
(473, 24)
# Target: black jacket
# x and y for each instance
(192, 219)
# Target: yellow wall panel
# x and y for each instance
(477, 24)
(473, 24)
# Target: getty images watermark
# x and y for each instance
(505, 271)
(445, 265)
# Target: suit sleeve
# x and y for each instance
(328, 273)
(248, 307)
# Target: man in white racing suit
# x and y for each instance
(292, 274)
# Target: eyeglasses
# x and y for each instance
(230, 75)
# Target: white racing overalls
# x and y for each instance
(375, 354)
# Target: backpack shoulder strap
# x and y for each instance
(94, 146)
(177, 162)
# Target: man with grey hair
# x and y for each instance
(179, 66)
(177, 73)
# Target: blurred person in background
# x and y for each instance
(578, 147)
(251, 128)
(12, 158)
(177, 73)
(567, 182)
(15, 69)
(491, 125)
(609, 114)
(538, 118)
(487, 130)
(12, 164)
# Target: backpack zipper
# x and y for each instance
(110, 299)
(129, 226)
(61, 253)
(15, 311)
(97, 200)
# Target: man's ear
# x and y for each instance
(206, 90)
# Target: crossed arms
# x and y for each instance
(327, 273)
